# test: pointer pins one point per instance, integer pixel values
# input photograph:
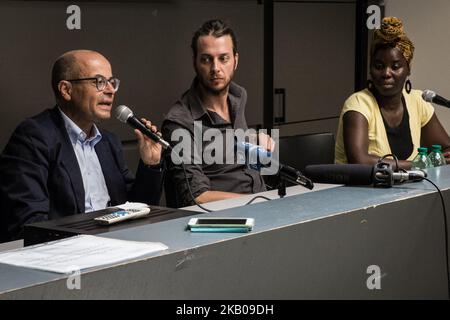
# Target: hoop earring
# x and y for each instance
(369, 84)
(408, 86)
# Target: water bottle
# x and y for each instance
(421, 161)
(436, 157)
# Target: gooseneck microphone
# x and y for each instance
(431, 96)
(360, 174)
(125, 115)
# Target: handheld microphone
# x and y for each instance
(258, 157)
(431, 96)
(125, 115)
(360, 174)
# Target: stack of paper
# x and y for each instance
(78, 253)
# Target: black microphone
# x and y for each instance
(360, 174)
(294, 176)
(349, 174)
(431, 96)
(125, 115)
(263, 158)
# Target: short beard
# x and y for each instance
(215, 92)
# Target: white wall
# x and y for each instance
(427, 23)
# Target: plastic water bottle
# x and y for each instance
(421, 161)
(436, 157)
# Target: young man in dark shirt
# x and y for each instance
(214, 101)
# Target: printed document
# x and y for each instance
(78, 253)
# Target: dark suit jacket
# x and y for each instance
(40, 178)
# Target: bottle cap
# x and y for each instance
(423, 150)
(436, 147)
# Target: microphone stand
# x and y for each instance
(284, 177)
(281, 186)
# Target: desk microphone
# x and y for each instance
(360, 174)
(258, 157)
(431, 96)
(125, 115)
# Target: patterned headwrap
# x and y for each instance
(391, 33)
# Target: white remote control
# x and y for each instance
(122, 215)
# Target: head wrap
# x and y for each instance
(392, 34)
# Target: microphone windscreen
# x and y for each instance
(428, 95)
(350, 174)
(122, 113)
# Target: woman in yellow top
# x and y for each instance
(388, 117)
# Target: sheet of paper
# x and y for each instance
(78, 253)
(132, 205)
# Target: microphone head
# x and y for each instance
(122, 113)
(428, 95)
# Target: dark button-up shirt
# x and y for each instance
(207, 177)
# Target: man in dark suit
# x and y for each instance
(60, 163)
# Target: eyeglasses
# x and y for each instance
(101, 82)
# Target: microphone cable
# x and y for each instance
(447, 267)
(445, 234)
(257, 197)
(206, 209)
(192, 194)
(394, 157)
(190, 190)
(187, 181)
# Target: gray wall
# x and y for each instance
(427, 23)
(148, 44)
(314, 57)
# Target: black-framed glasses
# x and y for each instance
(100, 82)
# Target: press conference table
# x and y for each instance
(314, 245)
